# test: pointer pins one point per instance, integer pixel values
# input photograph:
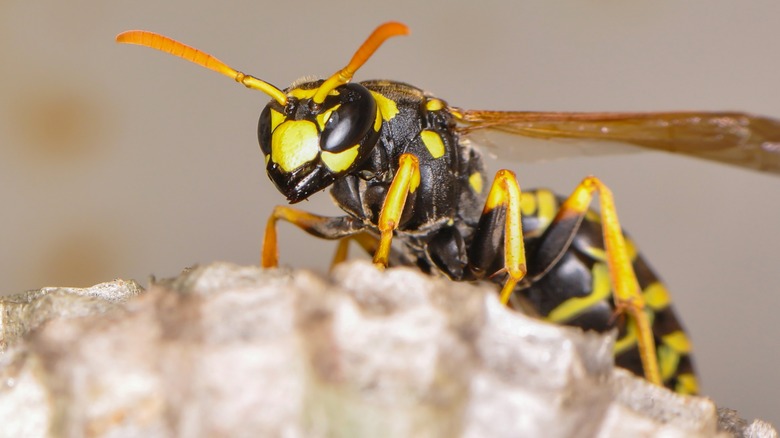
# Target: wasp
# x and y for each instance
(405, 168)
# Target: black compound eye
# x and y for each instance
(351, 121)
(264, 130)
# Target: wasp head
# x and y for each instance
(311, 133)
(307, 145)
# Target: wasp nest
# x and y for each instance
(224, 350)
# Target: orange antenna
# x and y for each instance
(341, 77)
(175, 48)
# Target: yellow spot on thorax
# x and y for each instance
(434, 105)
(387, 107)
(294, 143)
(432, 141)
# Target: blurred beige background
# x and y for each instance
(117, 161)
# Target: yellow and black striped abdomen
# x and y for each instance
(570, 284)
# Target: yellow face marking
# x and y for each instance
(434, 105)
(322, 118)
(574, 306)
(300, 93)
(432, 141)
(294, 143)
(387, 107)
(339, 161)
(656, 296)
(677, 341)
(276, 119)
(668, 359)
(475, 181)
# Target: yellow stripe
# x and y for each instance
(687, 384)
(656, 296)
(630, 338)
(677, 341)
(432, 141)
(594, 252)
(593, 216)
(547, 206)
(601, 255)
(527, 204)
(668, 359)
(630, 248)
(574, 306)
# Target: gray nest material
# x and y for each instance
(224, 350)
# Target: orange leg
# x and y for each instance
(627, 294)
(319, 226)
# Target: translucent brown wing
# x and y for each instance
(733, 138)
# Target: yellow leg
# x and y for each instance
(505, 194)
(405, 181)
(627, 294)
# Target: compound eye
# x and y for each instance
(350, 121)
(264, 130)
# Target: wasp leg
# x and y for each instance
(367, 241)
(405, 181)
(319, 226)
(501, 218)
(627, 293)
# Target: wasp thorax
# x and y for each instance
(307, 145)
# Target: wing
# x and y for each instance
(733, 138)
